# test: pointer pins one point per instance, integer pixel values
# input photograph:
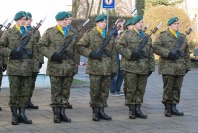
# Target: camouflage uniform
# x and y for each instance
(99, 72)
(135, 71)
(18, 70)
(61, 74)
(1, 64)
(172, 78)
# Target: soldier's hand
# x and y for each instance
(172, 56)
(40, 65)
(57, 58)
(15, 54)
(4, 67)
(135, 56)
(186, 71)
(149, 73)
(95, 55)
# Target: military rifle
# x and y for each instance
(8, 26)
(175, 51)
(101, 50)
(2, 25)
(25, 40)
(146, 27)
(61, 51)
(143, 42)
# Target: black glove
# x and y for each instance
(113, 75)
(95, 55)
(15, 54)
(135, 56)
(34, 74)
(4, 67)
(186, 71)
(57, 58)
(40, 65)
(149, 73)
(172, 56)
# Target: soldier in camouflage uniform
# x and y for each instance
(171, 67)
(77, 56)
(41, 59)
(100, 72)
(19, 66)
(137, 68)
(60, 69)
(3, 66)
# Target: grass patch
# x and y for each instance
(77, 81)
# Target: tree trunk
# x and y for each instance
(87, 12)
(75, 6)
(92, 2)
(99, 6)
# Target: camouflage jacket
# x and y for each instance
(11, 40)
(51, 42)
(91, 42)
(2, 59)
(165, 42)
(126, 44)
(38, 36)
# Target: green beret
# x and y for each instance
(28, 15)
(19, 15)
(69, 15)
(101, 17)
(172, 20)
(61, 15)
(129, 22)
(136, 19)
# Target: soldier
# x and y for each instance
(77, 56)
(137, 68)
(100, 72)
(3, 66)
(41, 59)
(172, 78)
(19, 66)
(60, 69)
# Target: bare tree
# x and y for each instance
(75, 6)
(99, 6)
(88, 5)
(90, 10)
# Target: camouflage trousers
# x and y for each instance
(60, 90)
(19, 90)
(99, 90)
(125, 85)
(172, 88)
(33, 84)
(136, 84)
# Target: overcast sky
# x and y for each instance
(38, 8)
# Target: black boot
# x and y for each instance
(63, 116)
(69, 106)
(167, 111)
(95, 116)
(0, 108)
(103, 115)
(56, 114)
(14, 116)
(174, 111)
(138, 112)
(31, 105)
(132, 111)
(22, 116)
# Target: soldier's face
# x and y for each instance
(102, 24)
(175, 26)
(130, 27)
(139, 25)
(21, 21)
(62, 23)
(28, 22)
(69, 20)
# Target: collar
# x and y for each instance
(60, 29)
(175, 33)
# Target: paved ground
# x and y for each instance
(81, 113)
